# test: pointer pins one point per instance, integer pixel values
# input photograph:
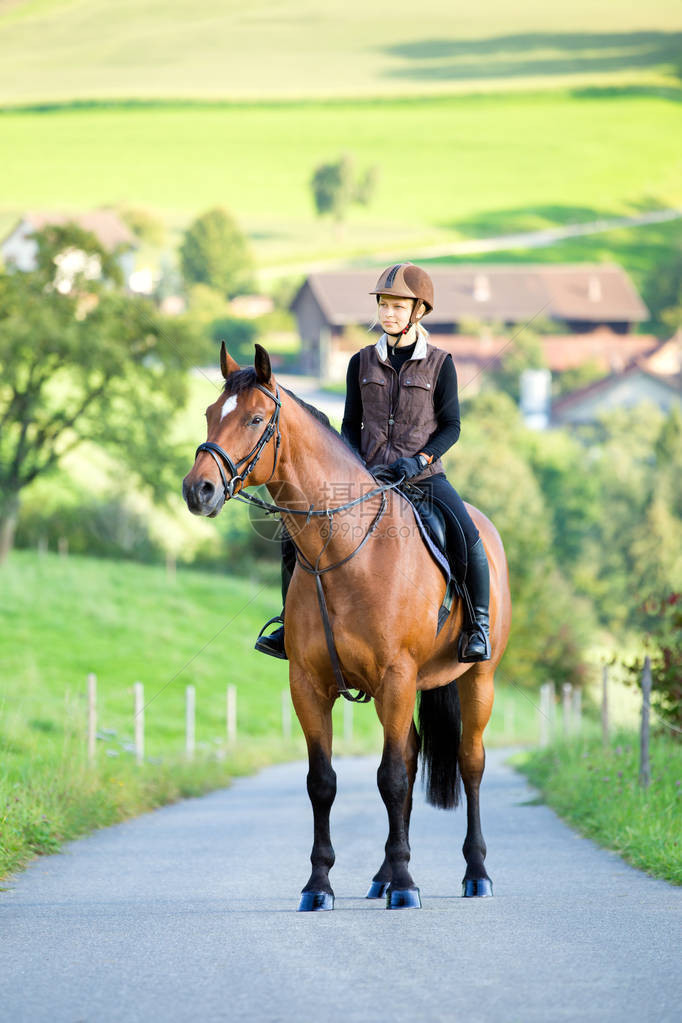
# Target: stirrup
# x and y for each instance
(265, 644)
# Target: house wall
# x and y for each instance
(622, 393)
(19, 250)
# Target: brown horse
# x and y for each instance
(383, 591)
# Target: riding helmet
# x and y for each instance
(405, 280)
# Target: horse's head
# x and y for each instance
(242, 437)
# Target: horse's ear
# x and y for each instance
(227, 363)
(262, 365)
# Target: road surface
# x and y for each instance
(188, 914)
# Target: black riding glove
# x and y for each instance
(404, 467)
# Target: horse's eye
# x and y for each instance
(256, 420)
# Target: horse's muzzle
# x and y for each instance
(203, 497)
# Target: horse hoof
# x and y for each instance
(377, 889)
(477, 888)
(312, 902)
(403, 898)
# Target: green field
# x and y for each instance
(85, 48)
(481, 164)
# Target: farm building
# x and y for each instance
(334, 309)
(19, 249)
(655, 379)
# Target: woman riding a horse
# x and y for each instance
(402, 412)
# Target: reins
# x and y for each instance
(251, 461)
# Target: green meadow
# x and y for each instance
(449, 167)
(85, 48)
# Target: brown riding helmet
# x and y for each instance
(405, 280)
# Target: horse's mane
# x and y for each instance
(244, 379)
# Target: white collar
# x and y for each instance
(419, 348)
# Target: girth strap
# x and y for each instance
(344, 691)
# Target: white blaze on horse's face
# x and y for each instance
(229, 405)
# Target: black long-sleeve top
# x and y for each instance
(445, 402)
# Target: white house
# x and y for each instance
(19, 249)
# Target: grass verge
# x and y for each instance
(596, 789)
(60, 797)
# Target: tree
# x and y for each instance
(335, 187)
(84, 363)
(215, 252)
(663, 292)
(524, 352)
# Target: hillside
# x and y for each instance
(445, 164)
(66, 49)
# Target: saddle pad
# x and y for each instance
(435, 552)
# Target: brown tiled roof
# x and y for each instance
(600, 292)
(106, 225)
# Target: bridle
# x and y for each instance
(251, 460)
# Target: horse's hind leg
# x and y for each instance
(476, 693)
(316, 720)
(382, 879)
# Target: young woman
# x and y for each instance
(402, 410)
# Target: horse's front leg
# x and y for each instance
(476, 693)
(397, 697)
(315, 714)
(382, 879)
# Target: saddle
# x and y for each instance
(445, 541)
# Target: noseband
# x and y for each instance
(217, 453)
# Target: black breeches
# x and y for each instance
(288, 562)
(442, 489)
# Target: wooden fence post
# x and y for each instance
(644, 763)
(190, 721)
(170, 568)
(63, 546)
(566, 700)
(231, 708)
(139, 722)
(551, 689)
(605, 704)
(286, 714)
(577, 710)
(348, 721)
(545, 714)
(92, 716)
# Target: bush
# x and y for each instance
(105, 528)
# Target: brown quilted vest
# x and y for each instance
(398, 417)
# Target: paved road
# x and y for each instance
(185, 914)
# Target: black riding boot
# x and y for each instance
(474, 644)
(274, 643)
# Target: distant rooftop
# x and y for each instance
(584, 292)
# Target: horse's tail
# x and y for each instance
(440, 724)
